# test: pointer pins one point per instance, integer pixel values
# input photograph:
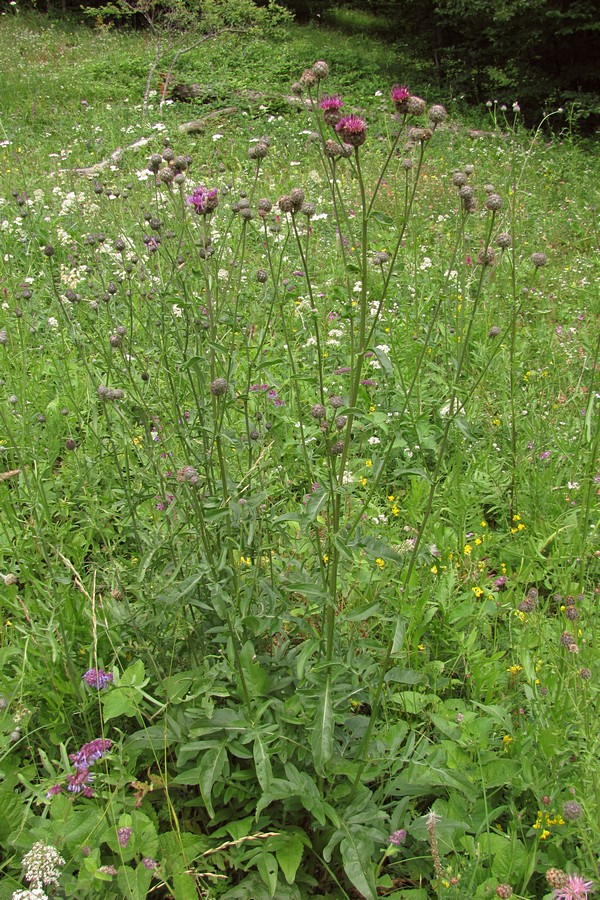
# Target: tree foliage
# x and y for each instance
(539, 52)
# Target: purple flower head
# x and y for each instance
(258, 387)
(204, 200)
(97, 678)
(80, 781)
(400, 96)
(149, 863)
(124, 836)
(575, 889)
(90, 753)
(333, 102)
(398, 837)
(352, 130)
(53, 791)
(544, 455)
(500, 582)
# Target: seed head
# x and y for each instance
(297, 89)
(504, 240)
(180, 163)
(336, 402)
(458, 179)
(264, 207)
(320, 70)
(334, 150)
(340, 422)
(297, 198)
(437, 114)
(465, 192)
(48, 250)
(308, 210)
(115, 340)
(286, 204)
(261, 276)
(380, 258)
(486, 257)
(337, 449)
(188, 474)
(494, 202)
(415, 106)
(572, 613)
(567, 639)
(258, 151)
(168, 154)
(556, 878)
(218, 387)
(166, 175)
(407, 164)
(539, 260)
(155, 162)
(308, 78)
(572, 810)
(318, 411)
(3, 337)
(70, 444)
(586, 674)
(494, 331)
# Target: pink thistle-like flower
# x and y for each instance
(575, 889)
(352, 130)
(400, 96)
(204, 200)
(333, 102)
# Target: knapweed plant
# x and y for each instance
(302, 610)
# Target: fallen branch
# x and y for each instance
(114, 157)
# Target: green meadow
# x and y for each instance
(299, 474)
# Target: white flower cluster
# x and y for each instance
(41, 865)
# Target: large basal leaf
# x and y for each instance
(322, 735)
(357, 849)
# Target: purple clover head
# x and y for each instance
(124, 836)
(204, 200)
(397, 838)
(149, 863)
(98, 678)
